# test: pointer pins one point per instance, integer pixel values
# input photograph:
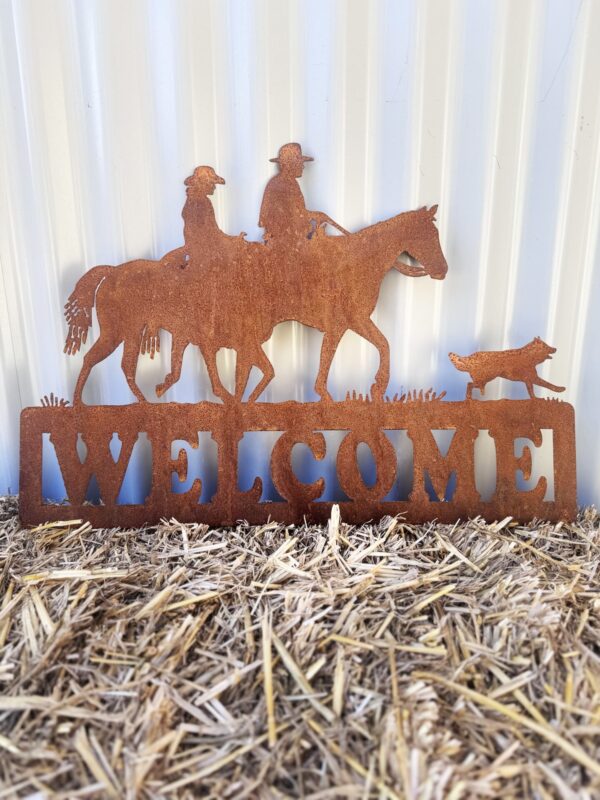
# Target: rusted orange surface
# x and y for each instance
(218, 290)
(506, 421)
(222, 291)
(513, 365)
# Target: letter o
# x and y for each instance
(349, 474)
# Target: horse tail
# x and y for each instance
(460, 362)
(78, 308)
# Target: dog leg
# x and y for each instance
(541, 382)
(475, 385)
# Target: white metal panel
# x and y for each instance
(490, 109)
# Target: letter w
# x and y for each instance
(98, 461)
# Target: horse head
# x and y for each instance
(423, 246)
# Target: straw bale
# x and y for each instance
(383, 661)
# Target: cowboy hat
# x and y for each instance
(203, 173)
(289, 151)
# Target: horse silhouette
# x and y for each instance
(235, 296)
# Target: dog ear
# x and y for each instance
(433, 210)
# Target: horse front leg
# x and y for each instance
(328, 348)
(369, 331)
(177, 350)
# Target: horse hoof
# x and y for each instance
(160, 389)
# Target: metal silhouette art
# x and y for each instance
(219, 290)
(514, 365)
(222, 291)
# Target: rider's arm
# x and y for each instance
(324, 219)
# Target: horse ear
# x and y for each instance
(433, 210)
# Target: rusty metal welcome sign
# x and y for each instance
(223, 291)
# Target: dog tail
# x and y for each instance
(460, 362)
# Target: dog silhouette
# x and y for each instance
(514, 365)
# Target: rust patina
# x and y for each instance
(217, 291)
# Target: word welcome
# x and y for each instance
(300, 423)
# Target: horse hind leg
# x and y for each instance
(265, 366)
(100, 350)
(177, 351)
(210, 359)
(129, 361)
(243, 367)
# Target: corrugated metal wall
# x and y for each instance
(489, 108)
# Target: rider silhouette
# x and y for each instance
(201, 233)
(204, 240)
(283, 213)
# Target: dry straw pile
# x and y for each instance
(383, 661)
